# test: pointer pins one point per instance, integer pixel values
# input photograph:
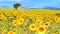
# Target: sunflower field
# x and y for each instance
(29, 22)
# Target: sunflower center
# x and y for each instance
(0, 16)
(32, 26)
(15, 23)
(41, 29)
(20, 21)
(38, 22)
(46, 24)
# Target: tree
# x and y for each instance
(16, 5)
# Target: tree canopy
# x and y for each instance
(16, 5)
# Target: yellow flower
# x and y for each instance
(32, 27)
(15, 22)
(38, 21)
(46, 24)
(31, 17)
(21, 20)
(2, 32)
(11, 32)
(2, 17)
(19, 16)
(14, 13)
(1, 13)
(41, 30)
(7, 14)
(58, 19)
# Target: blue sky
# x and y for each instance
(31, 3)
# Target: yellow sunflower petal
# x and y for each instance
(32, 27)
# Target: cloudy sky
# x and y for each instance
(31, 3)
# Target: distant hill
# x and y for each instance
(52, 8)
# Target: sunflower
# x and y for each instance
(7, 14)
(14, 13)
(21, 20)
(58, 19)
(31, 17)
(46, 24)
(1, 13)
(38, 21)
(19, 16)
(2, 32)
(32, 27)
(41, 30)
(11, 32)
(15, 22)
(2, 17)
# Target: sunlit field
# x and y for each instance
(29, 21)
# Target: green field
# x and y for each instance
(29, 21)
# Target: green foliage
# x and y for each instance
(16, 5)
